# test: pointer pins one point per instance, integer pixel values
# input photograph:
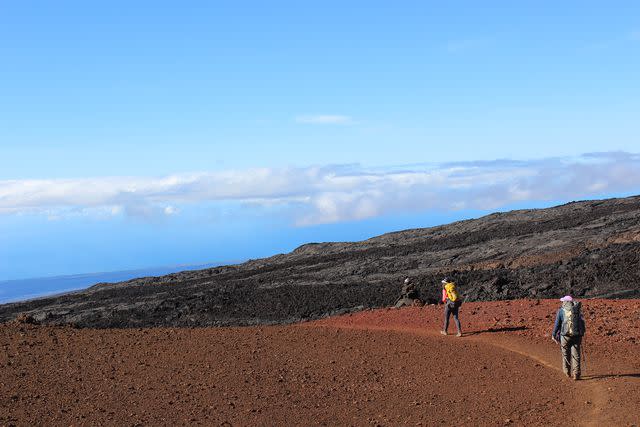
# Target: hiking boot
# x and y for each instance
(444, 332)
(576, 377)
(459, 334)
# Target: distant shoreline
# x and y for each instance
(23, 290)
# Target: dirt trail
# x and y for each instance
(611, 379)
(592, 415)
(382, 367)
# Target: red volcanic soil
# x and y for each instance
(379, 367)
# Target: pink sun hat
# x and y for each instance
(566, 298)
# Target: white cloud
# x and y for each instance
(329, 194)
(325, 119)
(171, 210)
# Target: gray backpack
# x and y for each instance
(573, 323)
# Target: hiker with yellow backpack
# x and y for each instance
(452, 303)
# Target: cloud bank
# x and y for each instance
(330, 194)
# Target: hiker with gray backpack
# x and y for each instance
(568, 331)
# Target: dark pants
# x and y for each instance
(571, 355)
(450, 309)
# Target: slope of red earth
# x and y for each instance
(379, 367)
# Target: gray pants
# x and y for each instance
(571, 355)
(448, 311)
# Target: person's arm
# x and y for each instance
(556, 327)
(444, 296)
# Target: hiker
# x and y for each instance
(568, 331)
(409, 295)
(452, 303)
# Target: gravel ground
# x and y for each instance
(376, 367)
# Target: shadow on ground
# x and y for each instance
(495, 330)
(605, 376)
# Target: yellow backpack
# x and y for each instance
(452, 294)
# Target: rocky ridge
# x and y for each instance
(590, 249)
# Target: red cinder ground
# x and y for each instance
(379, 367)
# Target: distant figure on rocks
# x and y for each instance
(568, 332)
(452, 303)
(409, 295)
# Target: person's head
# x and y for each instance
(445, 281)
(566, 298)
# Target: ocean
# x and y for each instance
(25, 289)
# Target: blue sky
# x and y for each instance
(137, 134)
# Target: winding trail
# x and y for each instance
(610, 387)
(597, 392)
